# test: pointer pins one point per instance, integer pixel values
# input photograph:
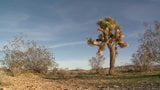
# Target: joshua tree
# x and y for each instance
(111, 36)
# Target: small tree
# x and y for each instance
(22, 55)
(111, 36)
(148, 52)
(96, 63)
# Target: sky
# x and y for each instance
(64, 25)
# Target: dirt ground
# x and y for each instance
(30, 81)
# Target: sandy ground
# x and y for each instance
(30, 81)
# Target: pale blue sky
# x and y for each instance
(64, 25)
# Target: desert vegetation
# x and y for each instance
(148, 53)
(96, 63)
(23, 55)
(29, 66)
(111, 35)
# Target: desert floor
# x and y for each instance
(122, 81)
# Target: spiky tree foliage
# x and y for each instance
(110, 36)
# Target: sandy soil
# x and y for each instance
(30, 81)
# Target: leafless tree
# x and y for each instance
(148, 52)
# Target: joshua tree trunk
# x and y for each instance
(112, 59)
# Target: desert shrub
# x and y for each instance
(24, 55)
(62, 73)
(96, 63)
(141, 62)
(4, 77)
(148, 52)
(126, 68)
(58, 74)
(39, 59)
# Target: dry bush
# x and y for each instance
(148, 52)
(126, 68)
(142, 62)
(96, 63)
(58, 73)
(62, 73)
(23, 55)
(4, 77)
(39, 59)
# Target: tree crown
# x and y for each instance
(110, 34)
